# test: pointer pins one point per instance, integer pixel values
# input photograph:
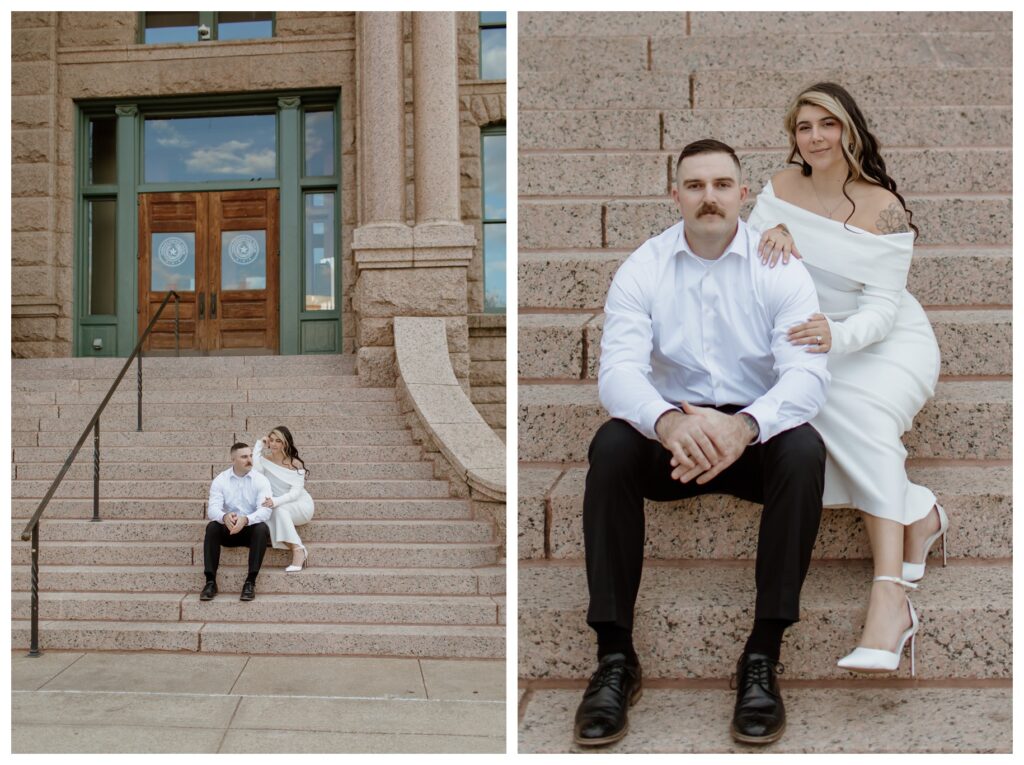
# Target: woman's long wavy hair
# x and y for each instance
(290, 452)
(859, 146)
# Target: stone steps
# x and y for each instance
(366, 531)
(666, 126)
(82, 469)
(573, 280)
(188, 410)
(462, 641)
(965, 420)
(127, 394)
(977, 498)
(191, 367)
(186, 509)
(188, 424)
(568, 345)
(219, 438)
(854, 718)
(762, 87)
(326, 554)
(200, 490)
(692, 619)
(318, 456)
(309, 609)
(985, 170)
(482, 580)
(576, 222)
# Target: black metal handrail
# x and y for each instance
(32, 529)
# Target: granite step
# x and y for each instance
(483, 580)
(200, 490)
(977, 498)
(324, 555)
(128, 394)
(968, 221)
(316, 531)
(190, 366)
(573, 280)
(854, 718)
(759, 87)
(769, 50)
(192, 409)
(668, 127)
(188, 509)
(444, 641)
(82, 469)
(650, 174)
(189, 424)
(310, 609)
(568, 345)
(692, 619)
(321, 457)
(152, 437)
(965, 420)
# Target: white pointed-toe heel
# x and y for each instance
(305, 557)
(914, 572)
(872, 660)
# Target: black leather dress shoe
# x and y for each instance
(208, 591)
(601, 716)
(760, 717)
(248, 591)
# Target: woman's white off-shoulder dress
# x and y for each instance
(884, 358)
(292, 504)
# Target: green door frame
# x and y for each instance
(301, 331)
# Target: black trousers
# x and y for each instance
(786, 474)
(256, 538)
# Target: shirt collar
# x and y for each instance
(739, 244)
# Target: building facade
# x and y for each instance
(298, 178)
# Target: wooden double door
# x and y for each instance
(219, 251)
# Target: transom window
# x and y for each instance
(221, 148)
(200, 26)
(492, 45)
(492, 140)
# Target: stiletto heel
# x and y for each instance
(291, 569)
(914, 572)
(876, 660)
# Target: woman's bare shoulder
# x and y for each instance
(882, 211)
(785, 179)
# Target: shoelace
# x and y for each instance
(758, 672)
(607, 675)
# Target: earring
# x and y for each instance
(851, 148)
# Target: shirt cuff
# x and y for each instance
(649, 414)
(761, 413)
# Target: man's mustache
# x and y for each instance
(706, 209)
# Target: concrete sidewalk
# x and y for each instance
(68, 701)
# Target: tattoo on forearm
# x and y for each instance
(893, 220)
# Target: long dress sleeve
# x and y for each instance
(297, 482)
(873, 320)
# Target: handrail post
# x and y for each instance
(139, 375)
(33, 650)
(177, 346)
(96, 472)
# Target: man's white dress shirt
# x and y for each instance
(709, 332)
(244, 495)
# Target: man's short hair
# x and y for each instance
(708, 146)
(238, 445)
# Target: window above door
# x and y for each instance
(162, 27)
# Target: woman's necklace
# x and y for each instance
(828, 212)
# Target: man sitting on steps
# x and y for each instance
(237, 519)
(708, 396)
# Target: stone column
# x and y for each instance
(406, 271)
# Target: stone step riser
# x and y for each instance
(56, 553)
(680, 634)
(729, 23)
(978, 502)
(568, 346)
(227, 608)
(964, 421)
(144, 471)
(190, 410)
(192, 366)
(179, 425)
(316, 531)
(667, 126)
(769, 52)
(178, 509)
(937, 277)
(274, 387)
(222, 439)
(983, 171)
(626, 224)
(272, 579)
(751, 87)
(200, 490)
(23, 392)
(99, 636)
(319, 456)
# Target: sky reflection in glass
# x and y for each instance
(192, 149)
